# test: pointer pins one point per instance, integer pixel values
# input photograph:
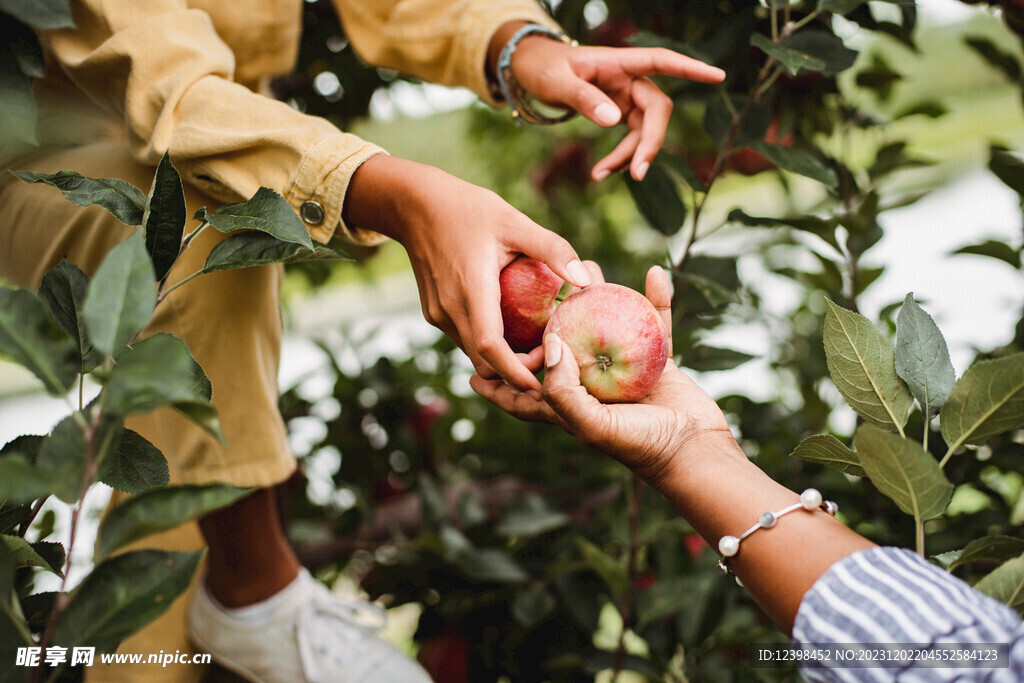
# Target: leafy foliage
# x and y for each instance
(76, 326)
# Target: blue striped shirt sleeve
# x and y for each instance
(891, 595)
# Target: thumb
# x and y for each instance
(553, 251)
(591, 102)
(562, 388)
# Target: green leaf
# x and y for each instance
(792, 59)
(532, 605)
(893, 157)
(989, 549)
(42, 14)
(713, 295)
(862, 365)
(24, 47)
(62, 455)
(121, 297)
(531, 522)
(159, 510)
(863, 228)
(26, 556)
(123, 594)
(158, 371)
(431, 499)
(126, 202)
(821, 227)
(904, 472)
(879, 78)
(718, 120)
(63, 290)
(993, 249)
(17, 102)
(53, 555)
(26, 446)
(29, 336)
(1008, 167)
(1006, 583)
(710, 358)
(204, 415)
(658, 200)
(1000, 59)
(259, 249)
(267, 212)
(685, 171)
(135, 466)
(13, 516)
(826, 449)
(164, 220)
(922, 358)
(612, 570)
(987, 400)
(797, 161)
(825, 46)
(21, 482)
(491, 565)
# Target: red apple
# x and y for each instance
(529, 293)
(617, 338)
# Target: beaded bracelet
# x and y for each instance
(810, 500)
(518, 99)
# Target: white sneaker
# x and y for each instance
(305, 633)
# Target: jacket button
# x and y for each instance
(312, 212)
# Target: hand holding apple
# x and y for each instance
(617, 338)
(651, 436)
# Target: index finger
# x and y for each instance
(486, 335)
(659, 61)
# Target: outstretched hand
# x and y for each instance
(646, 436)
(459, 237)
(610, 85)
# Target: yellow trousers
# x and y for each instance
(230, 320)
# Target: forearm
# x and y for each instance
(721, 492)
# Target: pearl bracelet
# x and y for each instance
(518, 99)
(810, 500)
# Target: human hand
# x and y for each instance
(648, 436)
(459, 237)
(608, 85)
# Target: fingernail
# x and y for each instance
(607, 114)
(578, 273)
(641, 170)
(602, 174)
(552, 350)
(534, 394)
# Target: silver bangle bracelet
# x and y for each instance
(810, 500)
(519, 101)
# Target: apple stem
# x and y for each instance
(603, 361)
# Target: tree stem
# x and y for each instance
(63, 600)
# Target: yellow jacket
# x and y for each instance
(185, 76)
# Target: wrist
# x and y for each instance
(497, 44)
(382, 194)
(706, 464)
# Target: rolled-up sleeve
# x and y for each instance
(892, 596)
(441, 41)
(162, 68)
